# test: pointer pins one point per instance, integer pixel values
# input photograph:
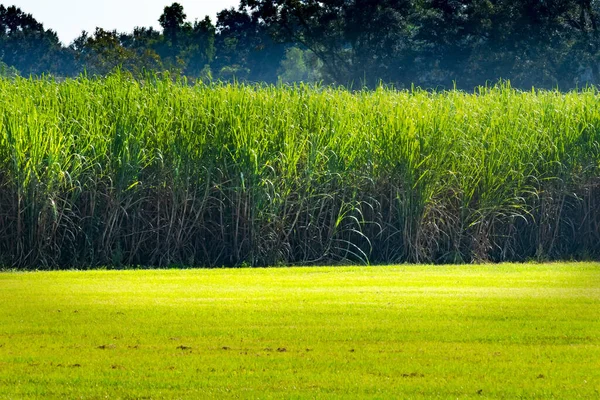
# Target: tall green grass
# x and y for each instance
(117, 171)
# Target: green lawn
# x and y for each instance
(502, 331)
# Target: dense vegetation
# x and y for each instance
(122, 171)
(428, 43)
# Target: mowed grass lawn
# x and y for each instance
(501, 331)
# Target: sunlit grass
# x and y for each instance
(505, 331)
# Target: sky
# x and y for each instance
(69, 17)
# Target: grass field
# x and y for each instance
(502, 331)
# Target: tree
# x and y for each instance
(358, 41)
(27, 46)
(200, 50)
(173, 23)
(299, 66)
(430, 43)
(542, 43)
(245, 47)
(104, 52)
(144, 43)
(8, 72)
(585, 20)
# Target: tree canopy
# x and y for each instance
(429, 43)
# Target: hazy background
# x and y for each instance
(433, 44)
(69, 17)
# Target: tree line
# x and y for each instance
(427, 43)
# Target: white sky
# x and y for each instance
(69, 17)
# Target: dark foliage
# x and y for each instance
(429, 43)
